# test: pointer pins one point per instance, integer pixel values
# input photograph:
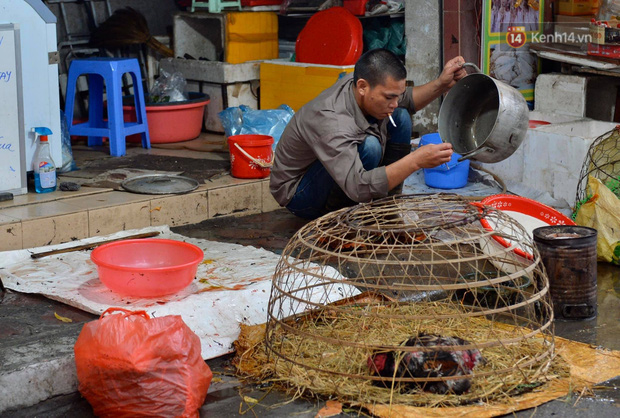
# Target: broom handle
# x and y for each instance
(160, 47)
(92, 245)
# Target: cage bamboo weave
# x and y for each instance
(364, 279)
(602, 162)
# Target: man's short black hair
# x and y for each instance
(375, 65)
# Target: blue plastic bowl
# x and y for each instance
(452, 175)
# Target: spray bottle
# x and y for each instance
(44, 167)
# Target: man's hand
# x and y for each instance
(432, 155)
(426, 156)
(452, 72)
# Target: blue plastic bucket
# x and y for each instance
(452, 175)
(433, 138)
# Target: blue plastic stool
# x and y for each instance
(111, 71)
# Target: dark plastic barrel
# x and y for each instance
(569, 256)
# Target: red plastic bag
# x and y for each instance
(129, 365)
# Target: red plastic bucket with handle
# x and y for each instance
(251, 156)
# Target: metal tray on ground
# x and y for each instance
(159, 184)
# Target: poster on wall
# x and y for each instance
(508, 28)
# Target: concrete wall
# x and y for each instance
(437, 31)
(580, 95)
(423, 58)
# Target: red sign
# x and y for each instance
(515, 36)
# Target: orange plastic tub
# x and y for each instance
(171, 122)
(147, 268)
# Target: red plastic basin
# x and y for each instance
(147, 268)
(357, 7)
(332, 36)
(523, 209)
(171, 122)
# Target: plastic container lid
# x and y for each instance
(331, 37)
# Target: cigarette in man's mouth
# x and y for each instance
(392, 120)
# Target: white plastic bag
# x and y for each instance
(168, 88)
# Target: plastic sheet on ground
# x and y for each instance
(232, 286)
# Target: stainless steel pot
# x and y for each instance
(483, 118)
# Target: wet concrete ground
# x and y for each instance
(27, 317)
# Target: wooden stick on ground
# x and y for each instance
(92, 245)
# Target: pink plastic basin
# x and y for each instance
(171, 122)
(147, 268)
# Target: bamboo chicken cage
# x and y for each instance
(462, 311)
